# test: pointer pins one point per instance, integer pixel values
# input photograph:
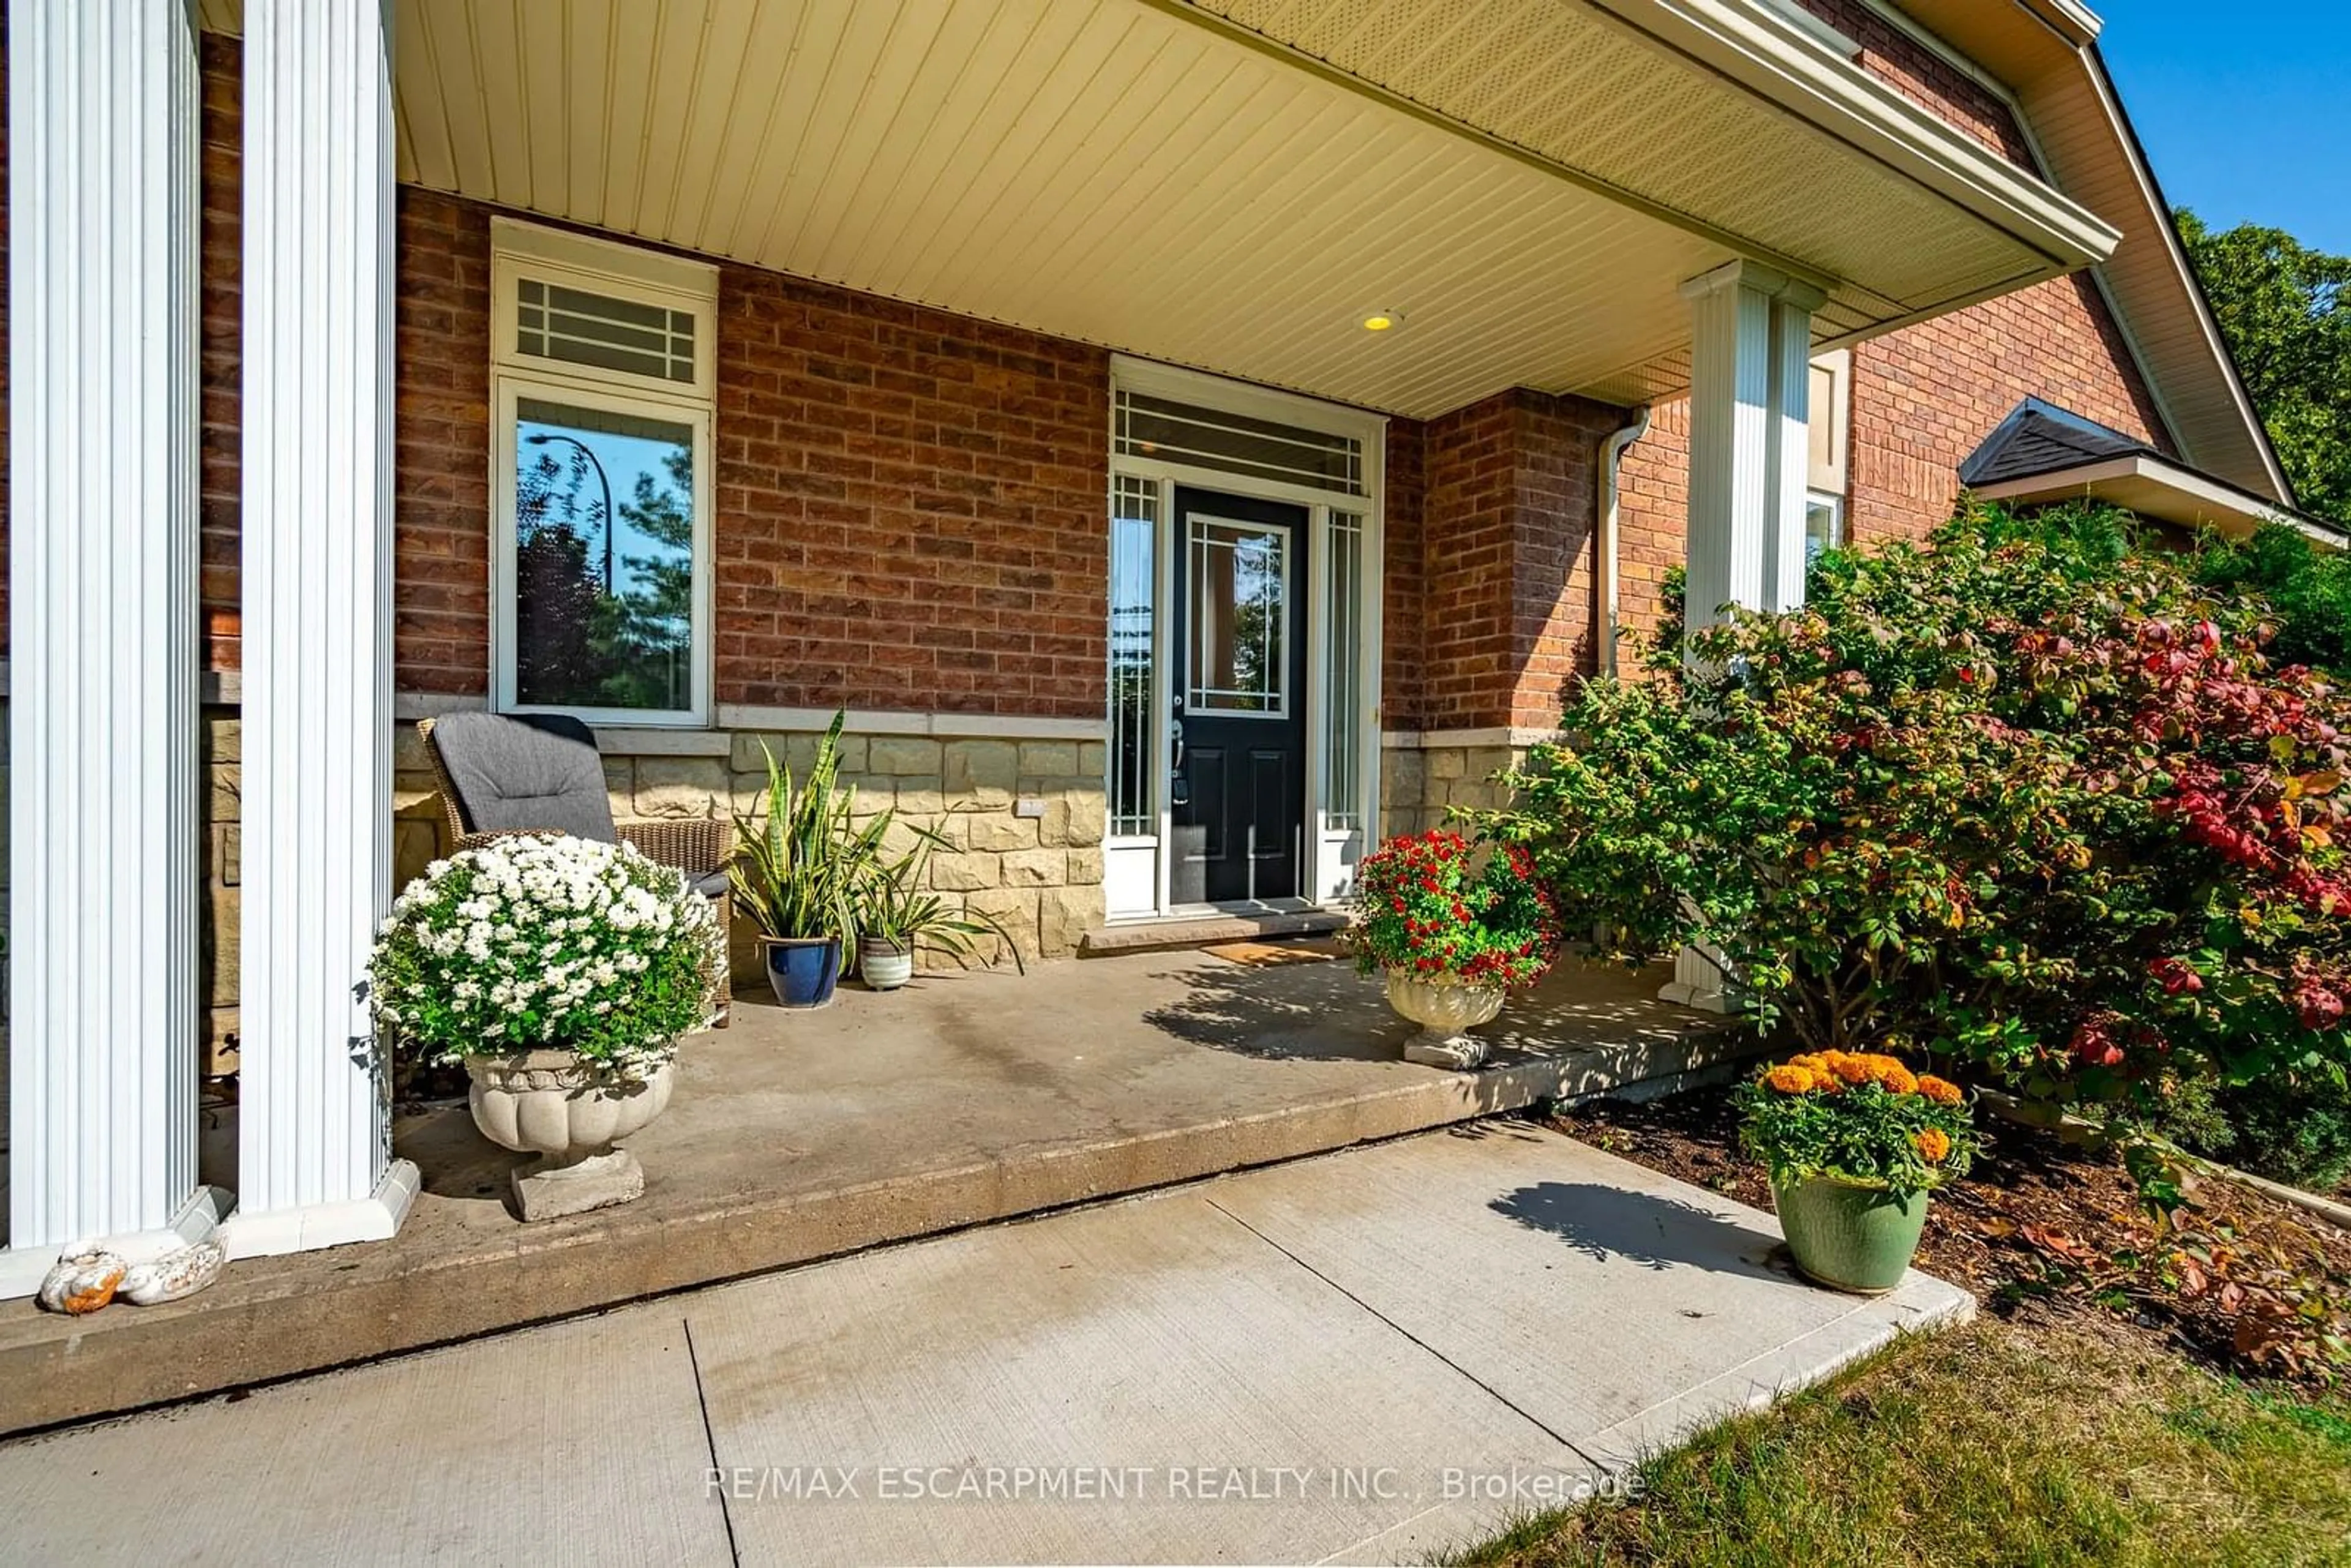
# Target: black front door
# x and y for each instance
(1239, 794)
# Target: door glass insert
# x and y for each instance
(1213, 438)
(1238, 590)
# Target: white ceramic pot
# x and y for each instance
(883, 965)
(569, 1112)
(1447, 1009)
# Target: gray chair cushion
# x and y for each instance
(710, 884)
(525, 770)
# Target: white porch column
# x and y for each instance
(314, 1133)
(1751, 379)
(103, 638)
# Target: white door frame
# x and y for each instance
(1324, 870)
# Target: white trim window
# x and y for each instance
(602, 385)
(1823, 524)
(1826, 485)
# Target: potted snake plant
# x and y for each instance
(897, 913)
(798, 869)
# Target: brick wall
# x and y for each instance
(441, 473)
(1402, 701)
(1926, 397)
(220, 347)
(1507, 522)
(1652, 525)
(909, 507)
(1924, 77)
(908, 504)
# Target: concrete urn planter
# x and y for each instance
(1447, 1009)
(569, 1112)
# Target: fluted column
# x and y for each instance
(1751, 355)
(314, 1135)
(102, 406)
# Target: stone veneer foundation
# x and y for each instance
(1425, 778)
(1022, 818)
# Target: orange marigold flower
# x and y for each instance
(1941, 1091)
(1850, 1069)
(1934, 1144)
(1790, 1079)
(1896, 1079)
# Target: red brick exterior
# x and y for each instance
(910, 507)
(1506, 521)
(441, 460)
(220, 346)
(1403, 696)
(1924, 77)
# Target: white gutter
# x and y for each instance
(1612, 454)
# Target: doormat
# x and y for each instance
(1267, 955)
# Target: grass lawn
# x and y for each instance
(1996, 1443)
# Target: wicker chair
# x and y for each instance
(540, 773)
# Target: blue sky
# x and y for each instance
(2245, 108)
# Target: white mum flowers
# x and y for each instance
(543, 940)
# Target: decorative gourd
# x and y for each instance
(81, 1283)
(173, 1275)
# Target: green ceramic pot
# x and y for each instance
(1852, 1236)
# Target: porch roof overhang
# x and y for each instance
(1234, 184)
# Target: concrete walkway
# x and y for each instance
(1365, 1356)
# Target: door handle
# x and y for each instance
(1175, 755)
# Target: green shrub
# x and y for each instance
(2308, 589)
(2022, 796)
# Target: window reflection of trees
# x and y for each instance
(581, 642)
(1256, 637)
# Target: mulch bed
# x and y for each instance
(2044, 1231)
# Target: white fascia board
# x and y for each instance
(1750, 43)
(2156, 487)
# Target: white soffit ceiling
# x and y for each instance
(1129, 175)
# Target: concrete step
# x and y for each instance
(793, 1137)
(1168, 936)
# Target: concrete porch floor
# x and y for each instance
(795, 1137)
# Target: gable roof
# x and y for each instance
(2044, 54)
(2041, 454)
(2039, 438)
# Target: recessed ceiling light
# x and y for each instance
(1382, 321)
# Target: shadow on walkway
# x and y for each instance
(1655, 1232)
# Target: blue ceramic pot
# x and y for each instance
(803, 969)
